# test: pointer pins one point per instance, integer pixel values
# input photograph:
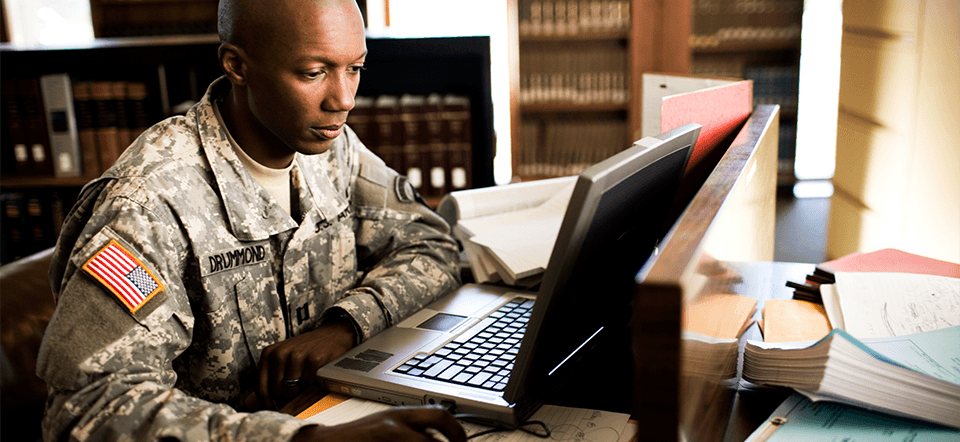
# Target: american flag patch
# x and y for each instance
(124, 275)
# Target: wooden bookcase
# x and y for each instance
(563, 64)
(757, 40)
(178, 69)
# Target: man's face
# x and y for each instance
(302, 82)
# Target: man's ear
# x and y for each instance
(233, 63)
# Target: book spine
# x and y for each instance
(35, 126)
(86, 129)
(105, 122)
(137, 116)
(15, 135)
(360, 119)
(61, 124)
(434, 127)
(15, 240)
(411, 118)
(456, 112)
(389, 131)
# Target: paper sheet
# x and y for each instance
(806, 420)
(876, 305)
(568, 424)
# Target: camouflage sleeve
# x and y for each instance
(108, 365)
(404, 248)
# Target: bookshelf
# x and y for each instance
(176, 70)
(575, 76)
(757, 40)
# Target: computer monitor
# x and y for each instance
(616, 214)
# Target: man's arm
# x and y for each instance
(404, 247)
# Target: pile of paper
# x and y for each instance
(508, 232)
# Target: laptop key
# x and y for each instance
(462, 377)
(479, 379)
(450, 372)
(438, 368)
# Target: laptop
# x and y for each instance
(493, 351)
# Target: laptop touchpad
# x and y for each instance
(442, 322)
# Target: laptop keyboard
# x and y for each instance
(483, 360)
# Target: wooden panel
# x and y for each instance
(891, 16)
(736, 198)
(855, 228)
(871, 163)
(933, 201)
(878, 80)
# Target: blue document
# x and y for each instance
(798, 418)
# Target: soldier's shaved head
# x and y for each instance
(255, 25)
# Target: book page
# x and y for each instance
(474, 203)
(882, 304)
(522, 241)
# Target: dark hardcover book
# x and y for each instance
(35, 126)
(86, 130)
(118, 93)
(15, 239)
(39, 222)
(138, 116)
(435, 146)
(389, 131)
(105, 122)
(456, 113)
(414, 154)
(15, 146)
(361, 121)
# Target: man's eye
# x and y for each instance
(357, 69)
(312, 74)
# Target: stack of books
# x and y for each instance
(885, 337)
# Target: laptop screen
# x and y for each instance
(617, 213)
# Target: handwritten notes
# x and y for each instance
(879, 304)
(566, 424)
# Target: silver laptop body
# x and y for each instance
(629, 192)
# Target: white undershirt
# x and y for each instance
(276, 181)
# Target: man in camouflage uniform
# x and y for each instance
(187, 288)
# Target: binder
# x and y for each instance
(61, 124)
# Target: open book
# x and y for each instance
(508, 232)
(914, 375)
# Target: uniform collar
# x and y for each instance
(251, 210)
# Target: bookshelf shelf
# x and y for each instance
(626, 39)
(41, 182)
(566, 38)
(747, 46)
(565, 106)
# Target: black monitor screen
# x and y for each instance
(616, 215)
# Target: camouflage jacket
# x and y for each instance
(175, 269)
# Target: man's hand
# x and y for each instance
(299, 357)
(398, 424)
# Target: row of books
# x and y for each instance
(746, 34)
(774, 85)
(562, 148)
(54, 126)
(427, 138)
(572, 17)
(716, 7)
(30, 222)
(574, 75)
